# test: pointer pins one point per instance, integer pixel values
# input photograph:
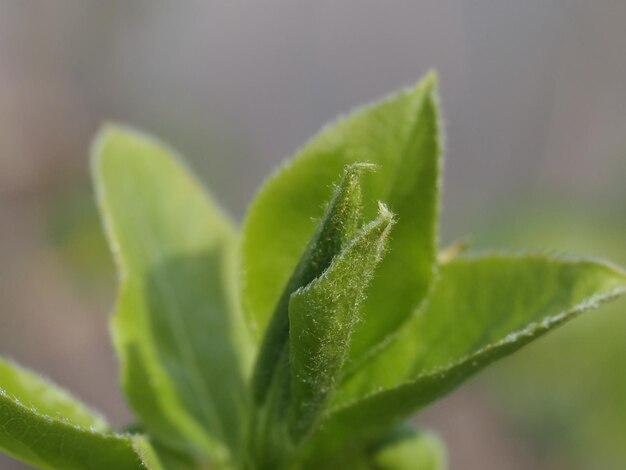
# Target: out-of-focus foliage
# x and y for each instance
(567, 391)
(76, 234)
(45, 426)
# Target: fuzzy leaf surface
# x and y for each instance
(322, 316)
(44, 426)
(177, 327)
(401, 136)
(338, 226)
(33, 391)
(482, 308)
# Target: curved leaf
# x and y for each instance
(34, 392)
(44, 426)
(177, 327)
(337, 228)
(322, 316)
(401, 136)
(483, 308)
(272, 374)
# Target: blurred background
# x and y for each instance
(534, 99)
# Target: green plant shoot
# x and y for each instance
(307, 337)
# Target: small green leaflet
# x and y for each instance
(44, 426)
(322, 316)
(274, 367)
(482, 308)
(177, 329)
(401, 136)
(337, 228)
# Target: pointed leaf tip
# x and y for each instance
(400, 134)
(337, 227)
(385, 214)
(322, 316)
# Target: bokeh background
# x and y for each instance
(534, 99)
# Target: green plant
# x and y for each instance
(578, 417)
(310, 339)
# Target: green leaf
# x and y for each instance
(483, 308)
(322, 316)
(337, 228)
(150, 458)
(44, 426)
(35, 392)
(409, 449)
(173, 459)
(401, 136)
(177, 327)
(272, 382)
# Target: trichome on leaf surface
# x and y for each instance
(307, 340)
